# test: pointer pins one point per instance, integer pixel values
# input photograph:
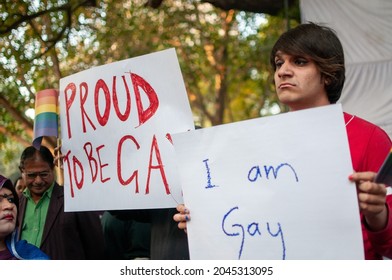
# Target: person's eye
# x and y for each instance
(10, 198)
(301, 61)
(31, 175)
(44, 174)
(278, 64)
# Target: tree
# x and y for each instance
(30, 33)
(271, 7)
(223, 53)
(224, 65)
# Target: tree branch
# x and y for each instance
(271, 7)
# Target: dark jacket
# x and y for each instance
(125, 239)
(68, 235)
(168, 242)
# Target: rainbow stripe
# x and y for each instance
(46, 115)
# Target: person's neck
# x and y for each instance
(303, 107)
(36, 198)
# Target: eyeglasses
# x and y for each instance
(10, 198)
(33, 175)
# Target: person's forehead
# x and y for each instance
(5, 191)
(282, 53)
(36, 165)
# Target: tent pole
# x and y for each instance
(286, 12)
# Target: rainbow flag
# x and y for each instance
(46, 115)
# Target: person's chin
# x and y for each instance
(8, 226)
(39, 190)
(286, 99)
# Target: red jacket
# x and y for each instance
(369, 145)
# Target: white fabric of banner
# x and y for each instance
(365, 30)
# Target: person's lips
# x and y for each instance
(285, 85)
(8, 217)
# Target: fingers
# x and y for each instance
(181, 208)
(182, 217)
(57, 149)
(362, 176)
(371, 196)
(58, 157)
(369, 191)
(372, 192)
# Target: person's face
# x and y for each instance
(8, 212)
(37, 175)
(20, 186)
(298, 82)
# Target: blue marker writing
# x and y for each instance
(251, 230)
(255, 172)
(209, 184)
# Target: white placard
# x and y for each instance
(271, 188)
(116, 121)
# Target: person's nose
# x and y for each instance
(285, 70)
(6, 205)
(38, 179)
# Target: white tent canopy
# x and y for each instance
(364, 28)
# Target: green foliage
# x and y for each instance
(224, 55)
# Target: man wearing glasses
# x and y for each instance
(43, 222)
